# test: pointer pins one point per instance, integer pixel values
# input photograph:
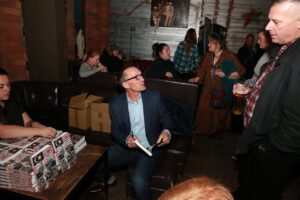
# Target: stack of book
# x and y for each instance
(78, 142)
(33, 163)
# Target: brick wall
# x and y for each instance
(70, 31)
(97, 24)
(12, 43)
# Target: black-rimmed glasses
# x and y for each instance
(136, 77)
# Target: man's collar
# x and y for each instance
(130, 101)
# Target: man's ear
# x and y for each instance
(125, 85)
(298, 24)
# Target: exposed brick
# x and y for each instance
(8, 3)
(10, 18)
(11, 11)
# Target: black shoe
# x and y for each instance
(97, 188)
(111, 180)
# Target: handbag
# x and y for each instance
(218, 96)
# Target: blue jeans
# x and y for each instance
(119, 156)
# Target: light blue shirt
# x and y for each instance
(137, 122)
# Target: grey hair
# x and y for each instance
(123, 74)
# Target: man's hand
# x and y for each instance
(194, 80)
(169, 75)
(239, 88)
(219, 73)
(163, 139)
(130, 141)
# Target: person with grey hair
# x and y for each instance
(137, 115)
(269, 147)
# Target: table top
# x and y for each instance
(68, 180)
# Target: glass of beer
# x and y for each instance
(239, 100)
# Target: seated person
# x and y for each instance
(14, 121)
(201, 188)
(162, 67)
(91, 65)
(137, 114)
(112, 58)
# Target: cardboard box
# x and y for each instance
(100, 120)
(79, 110)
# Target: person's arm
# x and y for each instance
(261, 62)
(117, 124)
(164, 138)
(240, 68)
(14, 131)
(28, 122)
(85, 72)
(202, 70)
(234, 75)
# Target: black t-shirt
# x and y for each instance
(159, 68)
(12, 113)
(112, 63)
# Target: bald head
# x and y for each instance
(284, 24)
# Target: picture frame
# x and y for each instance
(168, 13)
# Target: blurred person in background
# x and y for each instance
(162, 67)
(218, 66)
(91, 65)
(187, 57)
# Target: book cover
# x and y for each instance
(19, 142)
(143, 148)
(78, 142)
(65, 154)
(44, 168)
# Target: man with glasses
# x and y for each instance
(138, 114)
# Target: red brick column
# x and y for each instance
(97, 24)
(12, 42)
(71, 38)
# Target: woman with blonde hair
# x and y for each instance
(201, 188)
(219, 70)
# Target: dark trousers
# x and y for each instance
(119, 156)
(264, 173)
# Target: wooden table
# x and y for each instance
(69, 184)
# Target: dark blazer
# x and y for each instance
(276, 116)
(156, 117)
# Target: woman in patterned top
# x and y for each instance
(186, 58)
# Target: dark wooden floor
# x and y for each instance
(210, 156)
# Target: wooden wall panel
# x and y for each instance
(136, 13)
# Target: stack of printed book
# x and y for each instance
(33, 163)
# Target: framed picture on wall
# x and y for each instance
(170, 13)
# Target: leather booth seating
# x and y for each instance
(47, 102)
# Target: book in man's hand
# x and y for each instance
(142, 147)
